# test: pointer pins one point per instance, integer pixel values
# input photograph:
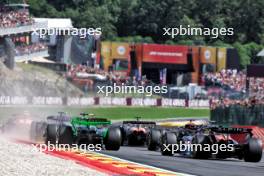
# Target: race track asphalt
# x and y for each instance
(227, 167)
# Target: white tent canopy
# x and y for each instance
(261, 53)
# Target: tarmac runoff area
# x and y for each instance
(211, 167)
(22, 160)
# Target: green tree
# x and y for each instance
(252, 50)
(243, 54)
(136, 20)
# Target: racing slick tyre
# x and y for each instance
(168, 139)
(253, 150)
(33, 131)
(65, 135)
(123, 135)
(37, 131)
(51, 134)
(153, 139)
(201, 140)
(113, 139)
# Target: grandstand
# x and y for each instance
(20, 37)
(16, 28)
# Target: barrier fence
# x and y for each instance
(103, 101)
(223, 115)
(239, 114)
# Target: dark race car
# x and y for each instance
(154, 135)
(18, 125)
(135, 132)
(209, 141)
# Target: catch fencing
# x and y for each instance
(239, 114)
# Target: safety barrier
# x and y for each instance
(239, 114)
(6, 100)
(103, 101)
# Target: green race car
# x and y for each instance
(82, 130)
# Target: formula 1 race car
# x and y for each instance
(84, 129)
(154, 134)
(37, 131)
(210, 142)
(135, 132)
(18, 124)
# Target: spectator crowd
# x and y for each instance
(247, 109)
(244, 111)
(226, 102)
(232, 80)
(10, 18)
(227, 79)
(256, 87)
(92, 75)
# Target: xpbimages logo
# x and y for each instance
(50, 147)
(188, 146)
(82, 32)
(196, 31)
(124, 89)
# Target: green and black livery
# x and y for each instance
(83, 129)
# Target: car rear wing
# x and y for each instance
(140, 122)
(90, 121)
(230, 130)
(63, 118)
(182, 122)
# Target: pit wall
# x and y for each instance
(103, 101)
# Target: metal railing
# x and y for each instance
(30, 56)
(22, 29)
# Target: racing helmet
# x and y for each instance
(190, 125)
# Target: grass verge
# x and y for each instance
(113, 113)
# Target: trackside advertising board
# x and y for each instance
(221, 59)
(166, 54)
(208, 55)
(195, 61)
(120, 50)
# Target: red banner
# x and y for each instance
(168, 54)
